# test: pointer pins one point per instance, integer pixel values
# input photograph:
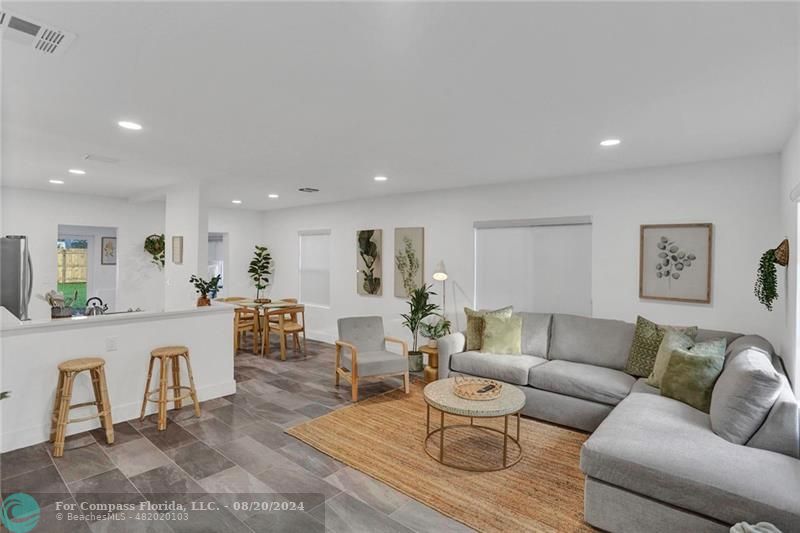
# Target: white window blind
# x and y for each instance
(537, 268)
(315, 268)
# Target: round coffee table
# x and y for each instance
(439, 395)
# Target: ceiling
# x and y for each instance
(257, 98)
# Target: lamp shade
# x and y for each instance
(440, 273)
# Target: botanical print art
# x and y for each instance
(108, 251)
(368, 260)
(675, 262)
(409, 260)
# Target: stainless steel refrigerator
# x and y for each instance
(16, 276)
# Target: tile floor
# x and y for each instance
(236, 446)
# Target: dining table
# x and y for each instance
(265, 309)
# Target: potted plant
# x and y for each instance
(419, 309)
(204, 288)
(154, 245)
(433, 331)
(260, 270)
(766, 287)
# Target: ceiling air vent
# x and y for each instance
(308, 189)
(101, 158)
(41, 37)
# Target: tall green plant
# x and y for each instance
(419, 309)
(260, 269)
(766, 288)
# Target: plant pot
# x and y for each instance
(262, 300)
(415, 361)
(60, 312)
(203, 301)
(432, 343)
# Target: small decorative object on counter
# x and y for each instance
(419, 309)
(154, 245)
(60, 306)
(766, 288)
(260, 270)
(204, 288)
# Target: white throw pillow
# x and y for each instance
(743, 396)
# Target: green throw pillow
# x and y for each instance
(690, 375)
(676, 340)
(644, 348)
(475, 325)
(502, 335)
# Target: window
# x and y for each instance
(86, 259)
(535, 265)
(315, 267)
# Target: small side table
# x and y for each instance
(432, 368)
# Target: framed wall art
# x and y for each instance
(675, 262)
(409, 260)
(369, 244)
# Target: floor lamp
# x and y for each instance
(440, 274)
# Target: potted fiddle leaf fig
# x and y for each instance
(419, 309)
(204, 288)
(260, 270)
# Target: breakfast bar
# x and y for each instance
(31, 351)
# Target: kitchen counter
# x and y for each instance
(31, 351)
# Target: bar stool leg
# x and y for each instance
(63, 415)
(176, 381)
(162, 395)
(56, 407)
(105, 418)
(98, 399)
(147, 387)
(192, 390)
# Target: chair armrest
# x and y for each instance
(353, 352)
(343, 344)
(401, 342)
(449, 345)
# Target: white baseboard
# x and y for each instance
(119, 413)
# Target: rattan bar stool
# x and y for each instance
(61, 408)
(169, 356)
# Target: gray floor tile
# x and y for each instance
(268, 434)
(213, 432)
(285, 522)
(234, 416)
(293, 479)
(314, 410)
(83, 462)
(166, 479)
(44, 484)
(423, 519)
(311, 459)
(198, 460)
(369, 490)
(49, 521)
(278, 415)
(347, 514)
(123, 432)
(137, 456)
(24, 460)
(251, 455)
(174, 436)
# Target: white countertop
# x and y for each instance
(11, 325)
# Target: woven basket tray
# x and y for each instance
(469, 387)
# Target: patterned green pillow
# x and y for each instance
(646, 341)
(474, 332)
(502, 335)
(690, 375)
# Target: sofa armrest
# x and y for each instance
(449, 345)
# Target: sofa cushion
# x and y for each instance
(593, 341)
(588, 382)
(673, 340)
(536, 333)
(642, 386)
(744, 395)
(780, 432)
(502, 335)
(509, 368)
(665, 450)
(647, 339)
(704, 335)
(474, 333)
(690, 375)
(377, 363)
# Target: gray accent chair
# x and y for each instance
(652, 463)
(361, 353)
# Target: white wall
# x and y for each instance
(737, 196)
(38, 214)
(186, 216)
(244, 229)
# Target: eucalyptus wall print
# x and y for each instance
(675, 262)
(369, 243)
(409, 259)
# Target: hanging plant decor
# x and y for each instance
(766, 288)
(154, 245)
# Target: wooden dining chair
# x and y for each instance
(274, 317)
(245, 320)
(291, 321)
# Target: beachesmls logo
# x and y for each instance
(20, 513)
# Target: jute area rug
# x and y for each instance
(383, 437)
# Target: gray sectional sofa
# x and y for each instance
(652, 463)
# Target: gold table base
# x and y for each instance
(441, 430)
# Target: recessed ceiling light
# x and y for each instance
(77, 171)
(610, 142)
(237, 202)
(273, 195)
(57, 182)
(128, 125)
(380, 178)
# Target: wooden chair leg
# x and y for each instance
(265, 347)
(305, 353)
(255, 339)
(192, 389)
(105, 418)
(176, 381)
(283, 345)
(147, 387)
(337, 364)
(63, 415)
(162, 395)
(354, 387)
(406, 384)
(56, 407)
(296, 338)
